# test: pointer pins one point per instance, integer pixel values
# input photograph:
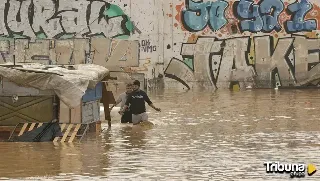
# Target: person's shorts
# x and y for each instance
(126, 117)
(136, 118)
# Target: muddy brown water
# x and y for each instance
(218, 135)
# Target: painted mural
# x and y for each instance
(261, 43)
(67, 32)
(201, 44)
(62, 19)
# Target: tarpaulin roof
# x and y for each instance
(69, 84)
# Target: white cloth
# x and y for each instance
(122, 99)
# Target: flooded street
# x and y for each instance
(221, 135)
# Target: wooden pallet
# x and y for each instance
(72, 131)
(69, 131)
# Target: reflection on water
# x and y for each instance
(198, 136)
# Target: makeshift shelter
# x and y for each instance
(41, 93)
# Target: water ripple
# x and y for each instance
(197, 136)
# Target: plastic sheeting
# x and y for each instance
(46, 132)
(69, 85)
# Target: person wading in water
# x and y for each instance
(137, 100)
(126, 115)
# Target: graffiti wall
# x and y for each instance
(62, 19)
(114, 34)
(250, 43)
(67, 32)
(200, 44)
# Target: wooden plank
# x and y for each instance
(23, 128)
(56, 139)
(65, 135)
(64, 114)
(68, 115)
(32, 126)
(107, 98)
(75, 114)
(40, 124)
(73, 135)
(62, 126)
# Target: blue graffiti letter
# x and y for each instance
(196, 16)
(250, 13)
(299, 11)
(270, 11)
(216, 14)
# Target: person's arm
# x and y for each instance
(126, 105)
(117, 102)
(147, 99)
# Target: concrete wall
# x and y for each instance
(210, 44)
